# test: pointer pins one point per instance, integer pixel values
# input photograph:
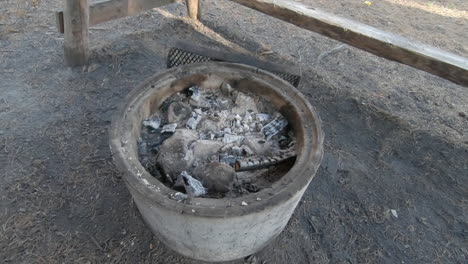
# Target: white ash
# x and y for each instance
(262, 117)
(193, 121)
(230, 160)
(229, 138)
(248, 151)
(228, 129)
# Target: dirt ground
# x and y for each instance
(396, 137)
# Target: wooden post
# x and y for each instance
(192, 9)
(76, 23)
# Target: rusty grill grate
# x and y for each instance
(177, 57)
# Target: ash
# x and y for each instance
(216, 143)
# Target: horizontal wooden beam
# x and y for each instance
(107, 10)
(390, 46)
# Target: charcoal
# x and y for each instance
(170, 128)
(262, 117)
(261, 163)
(229, 138)
(193, 187)
(193, 121)
(194, 93)
(153, 122)
(230, 160)
(274, 127)
(226, 147)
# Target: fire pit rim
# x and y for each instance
(139, 180)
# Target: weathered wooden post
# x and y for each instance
(193, 9)
(76, 23)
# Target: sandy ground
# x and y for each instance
(396, 137)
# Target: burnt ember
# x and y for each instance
(216, 143)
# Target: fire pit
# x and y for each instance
(227, 227)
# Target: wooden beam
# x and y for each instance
(192, 9)
(107, 10)
(390, 46)
(76, 23)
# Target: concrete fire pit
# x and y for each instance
(206, 228)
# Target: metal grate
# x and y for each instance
(177, 57)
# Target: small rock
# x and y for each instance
(174, 154)
(257, 145)
(92, 67)
(37, 162)
(208, 125)
(216, 177)
(203, 149)
(244, 103)
(178, 112)
(227, 90)
(394, 213)
(461, 114)
(244, 203)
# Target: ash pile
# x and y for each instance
(216, 143)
